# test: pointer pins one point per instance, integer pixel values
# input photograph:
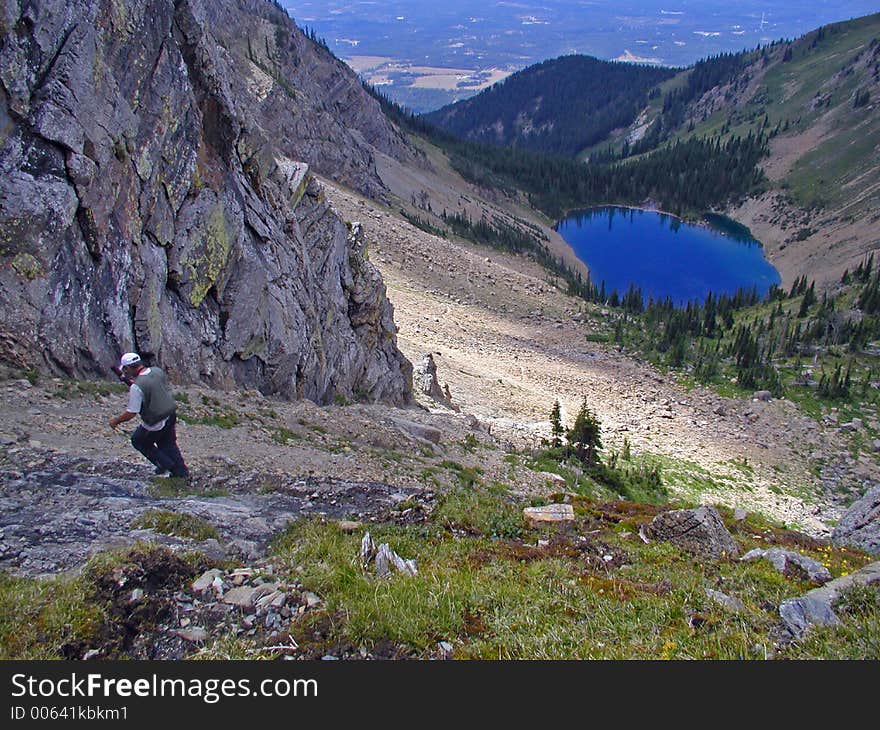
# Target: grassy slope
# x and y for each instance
(824, 166)
(495, 589)
(817, 87)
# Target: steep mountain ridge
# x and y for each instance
(154, 196)
(819, 214)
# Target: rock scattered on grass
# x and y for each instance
(792, 564)
(548, 514)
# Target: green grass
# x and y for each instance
(467, 476)
(93, 388)
(39, 618)
(493, 596)
(506, 599)
(480, 510)
(180, 524)
(172, 487)
(282, 435)
(637, 479)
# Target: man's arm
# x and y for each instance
(135, 400)
(126, 416)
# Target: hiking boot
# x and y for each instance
(160, 472)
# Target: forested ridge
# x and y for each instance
(560, 106)
(684, 178)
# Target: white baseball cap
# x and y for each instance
(128, 359)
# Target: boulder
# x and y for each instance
(555, 478)
(549, 514)
(241, 596)
(247, 596)
(419, 431)
(792, 564)
(311, 599)
(699, 531)
(205, 580)
(722, 599)
(799, 614)
(860, 525)
(762, 395)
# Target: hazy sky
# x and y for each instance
(672, 31)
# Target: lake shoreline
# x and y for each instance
(666, 255)
(701, 222)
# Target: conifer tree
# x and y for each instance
(556, 428)
(585, 436)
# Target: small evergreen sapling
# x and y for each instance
(585, 436)
(556, 428)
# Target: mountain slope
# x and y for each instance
(820, 214)
(154, 196)
(813, 99)
(816, 99)
(558, 106)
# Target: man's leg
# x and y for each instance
(166, 440)
(145, 442)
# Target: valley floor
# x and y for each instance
(508, 342)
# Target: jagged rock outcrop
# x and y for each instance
(860, 525)
(425, 377)
(154, 196)
(425, 380)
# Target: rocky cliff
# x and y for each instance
(155, 195)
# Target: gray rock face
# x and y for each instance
(699, 531)
(155, 196)
(860, 525)
(731, 603)
(792, 564)
(54, 517)
(799, 614)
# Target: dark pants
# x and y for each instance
(160, 447)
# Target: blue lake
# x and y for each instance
(665, 256)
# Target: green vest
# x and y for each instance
(158, 402)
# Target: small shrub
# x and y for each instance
(470, 443)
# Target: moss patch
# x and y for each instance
(180, 524)
(212, 253)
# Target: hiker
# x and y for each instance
(150, 396)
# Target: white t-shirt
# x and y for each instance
(136, 400)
